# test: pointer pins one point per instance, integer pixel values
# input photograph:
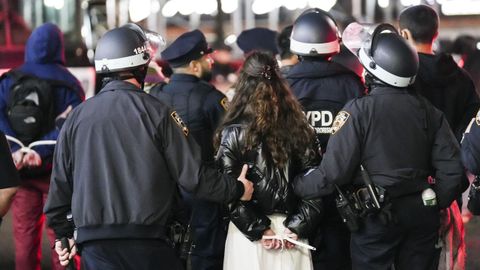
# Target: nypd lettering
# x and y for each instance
(339, 121)
(179, 122)
(320, 120)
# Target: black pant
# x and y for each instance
(332, 241)
(209, 235)
(126, 254)
(408, 242)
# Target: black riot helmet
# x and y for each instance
(315, 33)
(383, 53)
(126, 48)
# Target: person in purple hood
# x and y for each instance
(44, 59)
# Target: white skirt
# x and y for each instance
(242, 254)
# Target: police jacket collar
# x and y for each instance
(183, 77)
(383, 89)
(119, 85)
(316, 69)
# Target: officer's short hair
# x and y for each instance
(283, 42)
(421, 21)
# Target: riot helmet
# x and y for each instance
(383, 53)
(315, 33)
(126, 48)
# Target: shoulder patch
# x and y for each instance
(339, 121)
(224, 103)
(179, 122)
(477, 118)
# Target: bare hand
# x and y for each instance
(270, 243)
(290, 235)
(17, 157)
(248, 186)
(32, 159)
(63, 255)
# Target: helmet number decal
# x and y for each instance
(140, 49)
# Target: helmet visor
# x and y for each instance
(156, 43)
(358, 36)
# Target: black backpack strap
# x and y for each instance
(64, 84)
(17, 75)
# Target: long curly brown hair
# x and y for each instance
(274, 118)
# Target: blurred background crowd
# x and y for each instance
(85, 21)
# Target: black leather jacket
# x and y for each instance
(273, 192)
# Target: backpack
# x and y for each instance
(30, 107)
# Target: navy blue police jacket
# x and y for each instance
(323, 88)
(118, 161)
(200, 105)
(471, 146)
(399, 138)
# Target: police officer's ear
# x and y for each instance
(406, 34)
(435, 36)
(194, 65)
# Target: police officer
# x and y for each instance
(322, 87)
(400, 139)
(258, 39)
(118, 161)
(471, 146)
(471, 160)
(201, 106)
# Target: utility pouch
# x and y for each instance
(181, 240)
(347, 206)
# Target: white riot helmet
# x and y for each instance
(383, 53)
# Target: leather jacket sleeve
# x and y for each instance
(306, 219)
(251, 222)
(309, 213)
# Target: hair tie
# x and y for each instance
(267, 72)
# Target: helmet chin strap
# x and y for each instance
(137, 74)
(372, 82)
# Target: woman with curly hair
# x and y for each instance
(265, 128)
